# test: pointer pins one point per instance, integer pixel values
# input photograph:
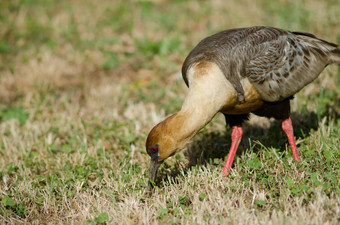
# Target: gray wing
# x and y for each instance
(280, 67)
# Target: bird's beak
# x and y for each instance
(154, 165)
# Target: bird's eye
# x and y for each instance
(154, 149)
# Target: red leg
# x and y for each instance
(236, 137)
(288, 129)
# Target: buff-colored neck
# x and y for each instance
(209, 91)
(197, 111)
(181, 127)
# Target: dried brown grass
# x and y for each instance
(66, 88)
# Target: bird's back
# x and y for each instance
(278, 63)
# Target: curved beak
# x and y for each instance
(154, 165)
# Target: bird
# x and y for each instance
(237, 72)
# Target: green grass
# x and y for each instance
(82, 84)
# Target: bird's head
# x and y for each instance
(163, 141)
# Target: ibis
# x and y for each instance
(237, 72)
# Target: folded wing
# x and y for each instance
(281, 67)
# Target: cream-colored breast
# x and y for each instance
(252, 100)
(210, 92)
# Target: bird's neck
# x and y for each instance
(209, 91)
(196, 112)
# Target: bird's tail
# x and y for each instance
(335, 56)
(323, 47)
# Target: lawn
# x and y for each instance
(83, 82)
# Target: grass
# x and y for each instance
(83, 82)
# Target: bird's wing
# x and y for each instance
(282, 66)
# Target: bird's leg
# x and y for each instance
(288, 129)
(236, 137)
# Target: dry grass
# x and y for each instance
(83, 82)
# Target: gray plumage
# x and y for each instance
(272, 64)
(278, 63)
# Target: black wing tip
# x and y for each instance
(336, 55)
(336, 51)
(304, 34)
(313, 36)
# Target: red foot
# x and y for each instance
(288, 129)
(236, 137)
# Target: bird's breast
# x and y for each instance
(252, 102)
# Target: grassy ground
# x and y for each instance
(83, 82)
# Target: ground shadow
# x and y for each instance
(216, 144)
